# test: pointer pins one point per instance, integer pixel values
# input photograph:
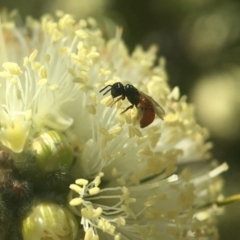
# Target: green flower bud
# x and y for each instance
(53, 151)
(49, 221)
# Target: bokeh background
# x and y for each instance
(200, 40)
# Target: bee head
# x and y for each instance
(117, 89)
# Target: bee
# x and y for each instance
(138, 99)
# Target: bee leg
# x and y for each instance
(130, 107)
(120, 98)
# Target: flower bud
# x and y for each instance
(53, 151)
(48, 221)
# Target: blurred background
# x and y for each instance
(200, 40)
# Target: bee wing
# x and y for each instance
(156, 107)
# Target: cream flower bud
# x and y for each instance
(49, 221)
(53, 151)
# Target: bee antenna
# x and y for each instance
(105, 88)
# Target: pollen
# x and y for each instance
(42, 82)
(90, 213)
(63, 50)
(53, 87)
(33, 56)
(94, 191)
(90, 235)
(106, 226)
(12, 68)
(43, 72)
(81, 34)
(25, 61)
(76, 188)
(76, 201)
(104, 132)
(146, 151)
(107, 101)
(93, 55)
(66, 21)
(81, 182)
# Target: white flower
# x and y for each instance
(130, 181)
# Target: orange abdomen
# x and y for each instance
(148, 115)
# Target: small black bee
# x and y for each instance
(138, 99)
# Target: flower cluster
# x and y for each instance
(76, 167)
